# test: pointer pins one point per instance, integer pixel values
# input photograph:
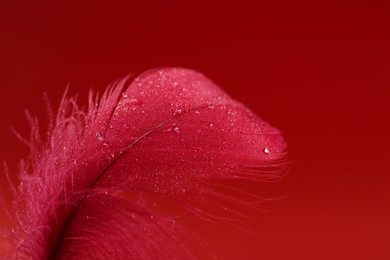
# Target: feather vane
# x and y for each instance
(168, 132)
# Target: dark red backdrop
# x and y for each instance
(318, 71)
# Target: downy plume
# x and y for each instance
(170, 133)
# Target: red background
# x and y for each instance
(317, 71)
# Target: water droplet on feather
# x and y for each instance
(136, 102)
(178, 111)
(99, 137)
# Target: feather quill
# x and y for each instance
(169, 132)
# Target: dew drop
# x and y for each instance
(211, 125)
(99, 137)
(211, 106)
(178, 111)
(124, 95)
(176, 129)
(136, 102)
(266, 150)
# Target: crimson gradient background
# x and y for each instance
(317, 71)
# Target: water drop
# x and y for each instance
(266, 150)
(124, 95)
(211, 125)
(211, 106)
(99, 137)
(176, 129)
(136, 102)
(178, 111)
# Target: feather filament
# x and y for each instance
(168, 132)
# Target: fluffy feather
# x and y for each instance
(168, 132)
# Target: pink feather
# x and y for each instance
(168, 132)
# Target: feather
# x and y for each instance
(168, 132)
